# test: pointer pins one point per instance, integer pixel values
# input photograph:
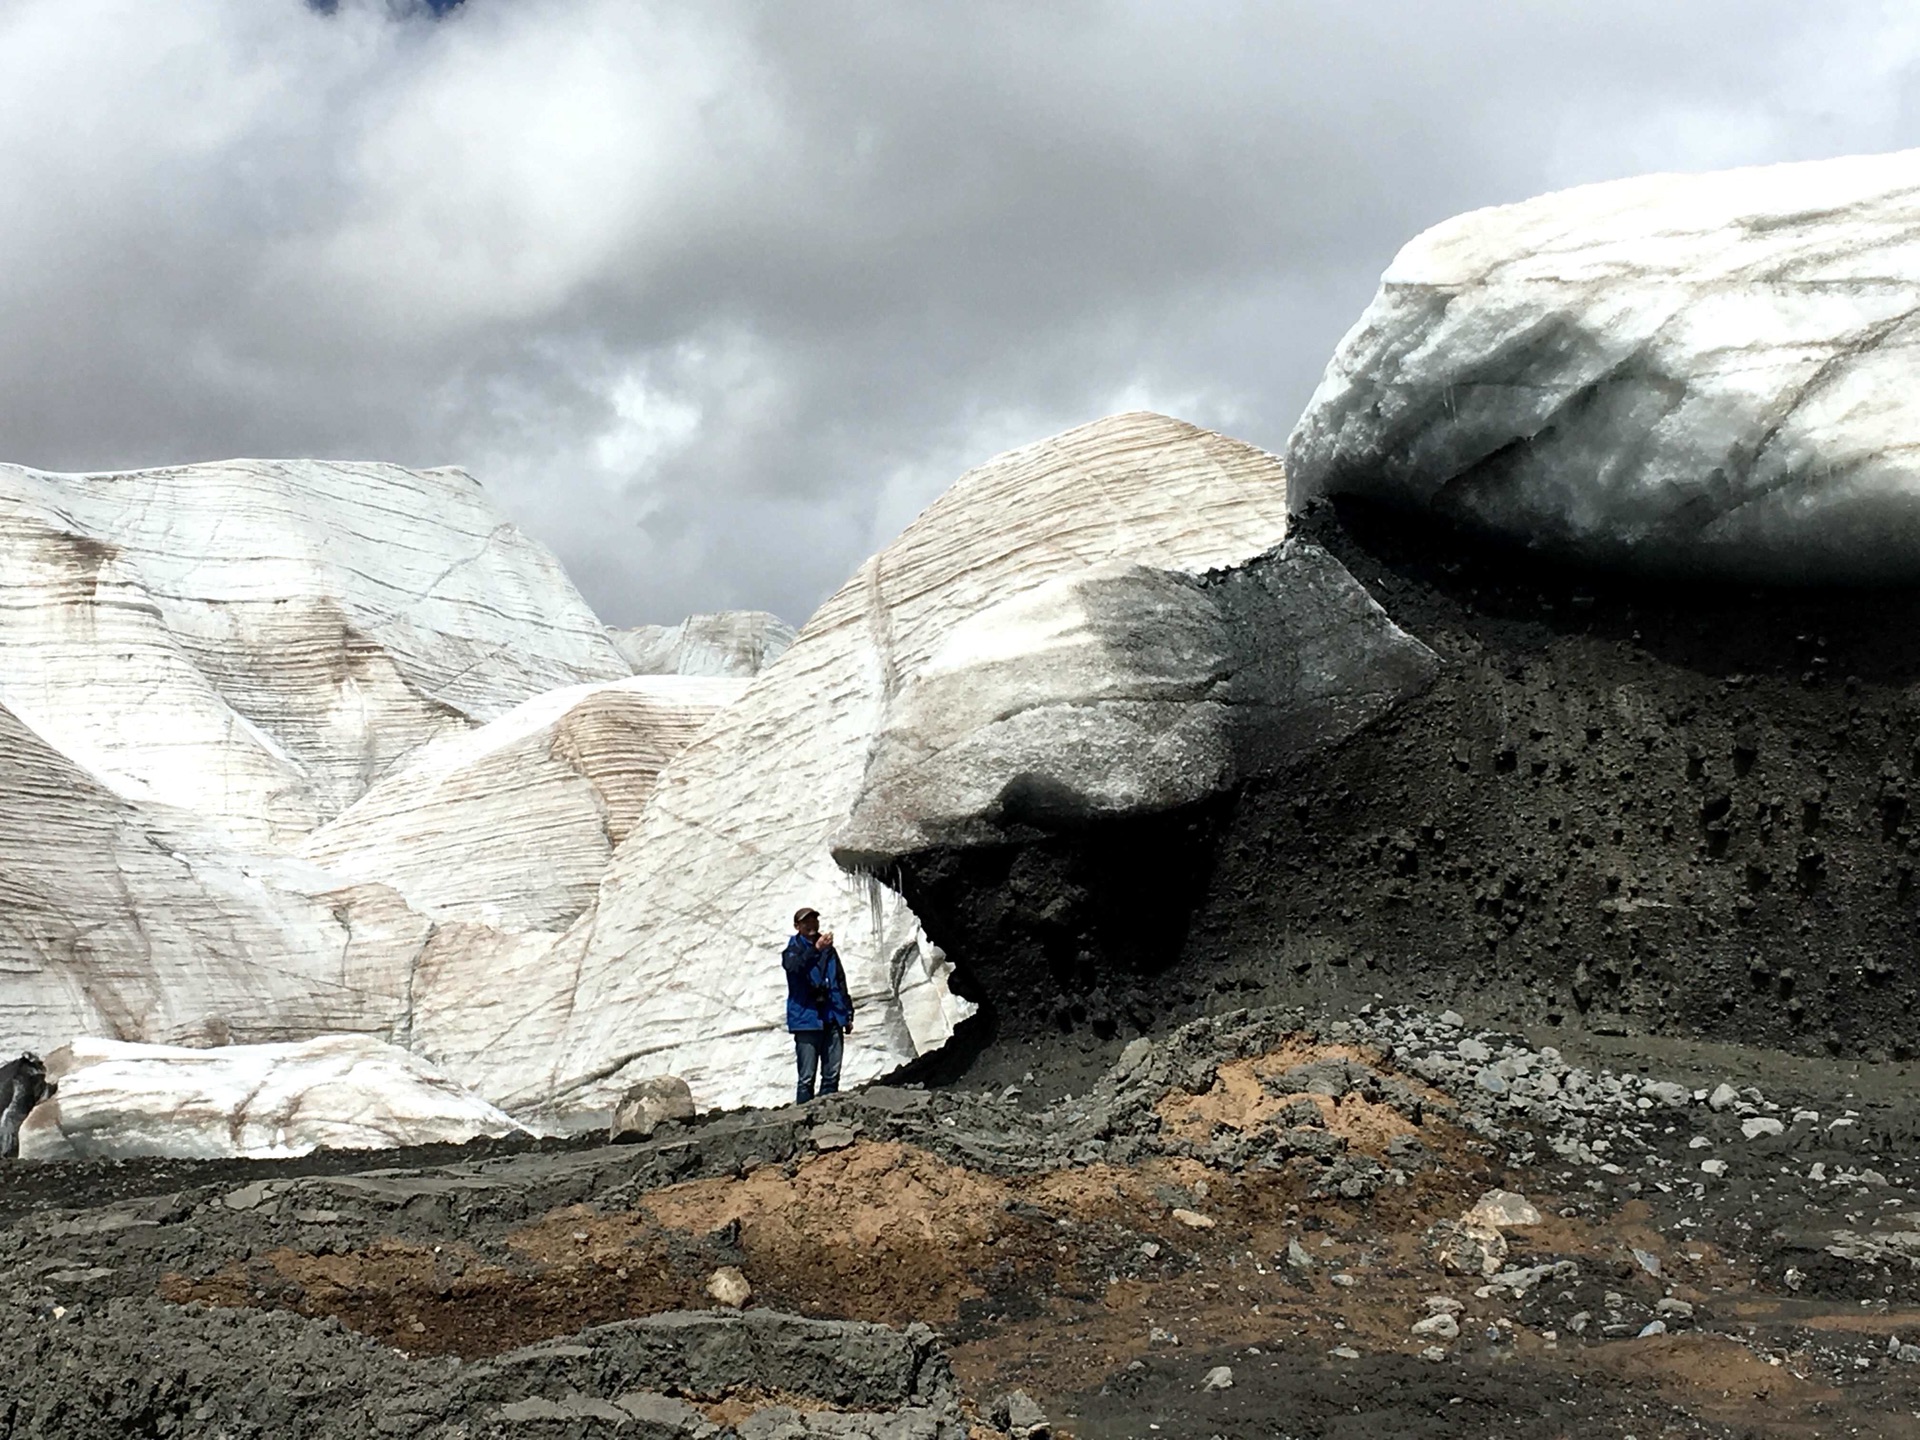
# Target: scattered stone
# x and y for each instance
(1713, 1167)
(1150, 1249)
(1468, 1249)
(1441, 1327)
(1343, 1279)
(1647, 1261)
(1653, 1327)
(1218, 1378)
(1016, 1414)
(1443, 1305)
(1193, 1220)
(645, 1105)
(1345, 1352)
(1666, 1092)
(1298, 1257)
(1671, 1306)
(1760, 1125)
(1724, 1097)
(833, 1137)
(729, 1287)
(1474, 1052)
(1502, 1209)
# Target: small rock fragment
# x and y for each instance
(1193, 1220)
(1647, 1261)
(1345, 1352)
(1713, 1167)
(833, 1137)
(1016, 1414)
(1218, 1378)
(1469, 1249)
(1760, 1125)
(1653, 1327)
(729, 1287)
(1502, 1209)
(1724, 1097)
(1298, 1257)
(1441, 1327)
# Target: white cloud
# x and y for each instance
(716, 297)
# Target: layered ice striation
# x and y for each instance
(1687, 374)
(730, 643)
(260, 641)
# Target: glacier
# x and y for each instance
(1703, 376)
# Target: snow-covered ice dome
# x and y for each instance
(1690, 374)
(337, 1092)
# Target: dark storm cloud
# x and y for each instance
(715, 297)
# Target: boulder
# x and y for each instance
(679, 962)
(1686, 374)
(729, 1288)
(348, 1092)
(641, 1109)
(259, 641)
(733, 643)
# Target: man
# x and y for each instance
(819, 1010)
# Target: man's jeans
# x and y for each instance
(817, 1049)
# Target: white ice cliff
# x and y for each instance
(562, 777)
(260, 641)
(304, 749)
(1688, 373)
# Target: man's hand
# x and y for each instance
(825, 939)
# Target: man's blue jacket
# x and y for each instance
(816, 987)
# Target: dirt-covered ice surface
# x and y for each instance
(1255, 1225)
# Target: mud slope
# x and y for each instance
(1622, 808)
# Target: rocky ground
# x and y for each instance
(1387, 1225)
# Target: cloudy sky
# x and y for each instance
(714, 297)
